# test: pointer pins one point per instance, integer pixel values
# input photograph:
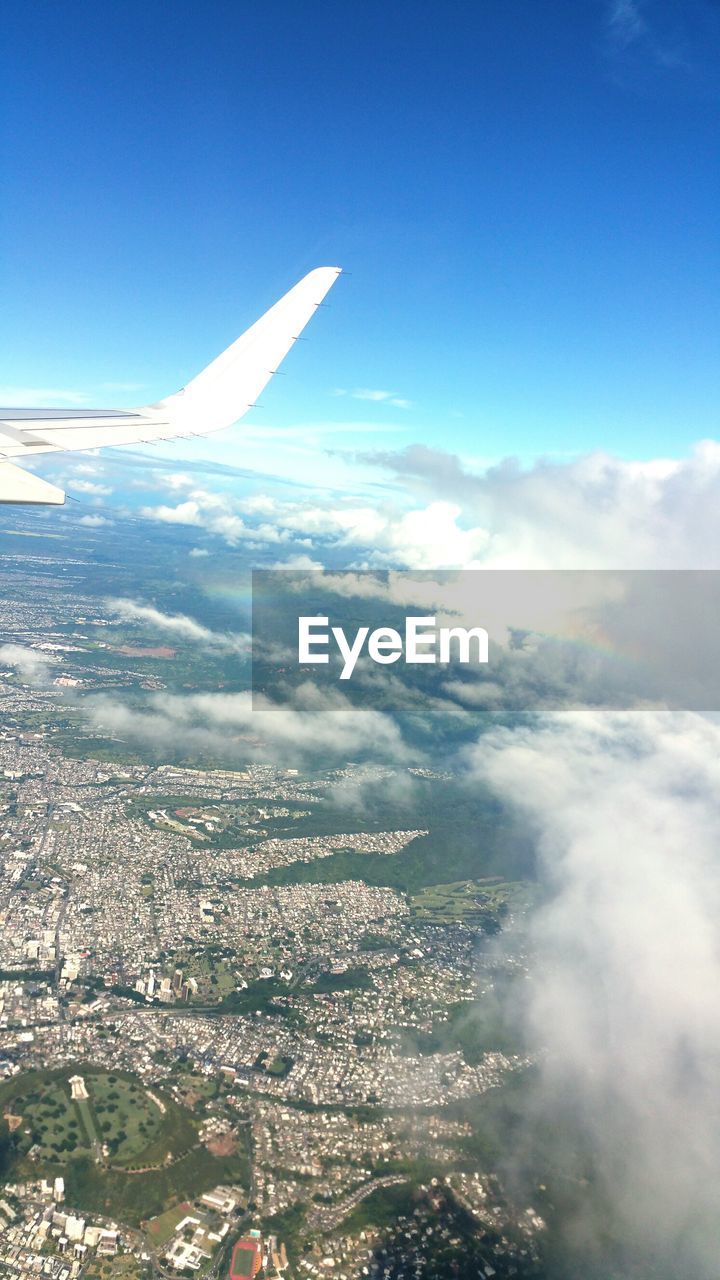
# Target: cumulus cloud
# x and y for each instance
(177, 624)
(176, 480)
(296, 562)
(238, 727)
(211, 511)
(91, 487)
(31, 665)
(183, 513)
(627, 959)
(82, 468)
(595, 511)
(427, 537)
(94, 522)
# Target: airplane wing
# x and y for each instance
(216, 398)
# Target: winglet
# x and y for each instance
(231, 384)
(18, 485)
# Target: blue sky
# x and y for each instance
(525, 194)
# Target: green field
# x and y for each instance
(134, 1197)
(153, 1161)
(482, 903)
(123, 1267)
(234, 822)
(162, 1228)
(120, 1124)
(357, 979)
(50, 1119)
(382, 1208)
(468, 838)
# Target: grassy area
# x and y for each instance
(357, 979)
(127, 1119)
(162, 1228)
(194, 1086)
(144, 1136)
(465, 841)
(482, 903)
(257, 996)
(232, 823)
(123, 1267)
(50, 1119)
(89, 1126)
(381, 1209)
(133, 1125)
(212, 972)
(280, 1066)
(135, 1197)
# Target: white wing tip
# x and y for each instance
(18, 485)
(324, 271)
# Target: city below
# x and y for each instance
(245, 1028)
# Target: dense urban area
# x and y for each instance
(220, 1054)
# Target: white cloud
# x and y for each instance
(367, 393)
(90, 486)
(594, 511)
(627, 958)
(625, 21)
(31, 665)
(178, 624)
(94, 522)
(428, 537)
(297, 562)
(244, 727)
(376, 395)
(174, 480)
(86, 468)
(217, 513)
(678, 35)
(184, 513)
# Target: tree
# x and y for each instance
(7, 1147)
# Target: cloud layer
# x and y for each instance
(627, 968)
(313, 727)
(596, 511)
(175, 624)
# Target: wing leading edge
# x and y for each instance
(216, 398)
